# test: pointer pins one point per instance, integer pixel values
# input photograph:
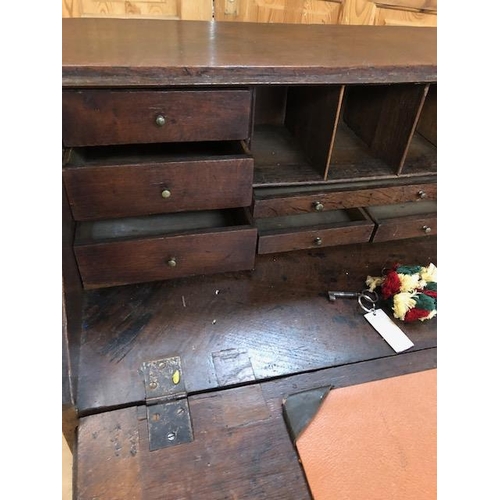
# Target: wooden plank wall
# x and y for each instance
(375, 12)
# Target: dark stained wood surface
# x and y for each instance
(241, 447)
(279, 314)
(280, 161)
(385, 118)
(427, 125)
(112, 263)
(132, 189)
(299, 200)
(103, 117)
(319, 229)
(312, 114)
(132, 52)
(404, 220)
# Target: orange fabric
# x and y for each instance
(374, 441)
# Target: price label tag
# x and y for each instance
(390, 332)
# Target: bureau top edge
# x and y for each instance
(149, 52)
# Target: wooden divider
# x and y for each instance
(312, 116)
(385, 118)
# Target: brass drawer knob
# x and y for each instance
(426, 229)
(422, 194)
(160, 120)
(318, 206)
(166, 193)
(172, 262)
(318, 241)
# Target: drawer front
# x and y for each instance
(299, 240)
(152, 259)
(334, 200)
(103, 117)
(405, 227)
(358, 230)
(129, 190)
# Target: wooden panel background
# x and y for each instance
(374, 12)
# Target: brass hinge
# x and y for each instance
(167, 408)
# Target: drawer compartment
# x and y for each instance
(274, 202)
(131, 181)
(337, 227)
(407, 220)
(105, 117)
(159, 247)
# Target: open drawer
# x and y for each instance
(142, 249)
(312, 230)
(294, 200)
(127, 181)
(406, 220)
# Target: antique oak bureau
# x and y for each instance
(218, 179)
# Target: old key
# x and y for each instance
(364, 297)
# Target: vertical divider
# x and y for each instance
(335, 125)
(385, 118)
(312, 114)
(427, 125)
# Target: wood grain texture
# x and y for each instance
(408, 220)
(278, 11)
(312, 114)
(114, 438)
(294, 202)
(427, 125)
(385, 117)
(416, 13)
(106, 117)
(156, 53)
(312, 234)
(72, 302)
(282, 319)
(241, 447)
(147, 259)
(135, 188)
(280, 161)
(146, 9)
(71, 8)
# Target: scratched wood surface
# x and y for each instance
(277, 317)
(241, 447)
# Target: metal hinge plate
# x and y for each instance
(167, 408)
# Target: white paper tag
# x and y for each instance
(391, 332)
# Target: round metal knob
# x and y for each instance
(318, 241)
(172, 262)
(422, 194)
(318, 206)
(160, 120)
(426, 229)
(165, 193)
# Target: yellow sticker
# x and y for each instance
(176, 377)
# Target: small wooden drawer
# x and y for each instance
(160, 247)
(336, 227)
(104, 117)
(104, 183)
(275, 202)
(407, 220)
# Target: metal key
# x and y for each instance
(332, 296)
(364, 296)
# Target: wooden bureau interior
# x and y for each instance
(213, 191)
